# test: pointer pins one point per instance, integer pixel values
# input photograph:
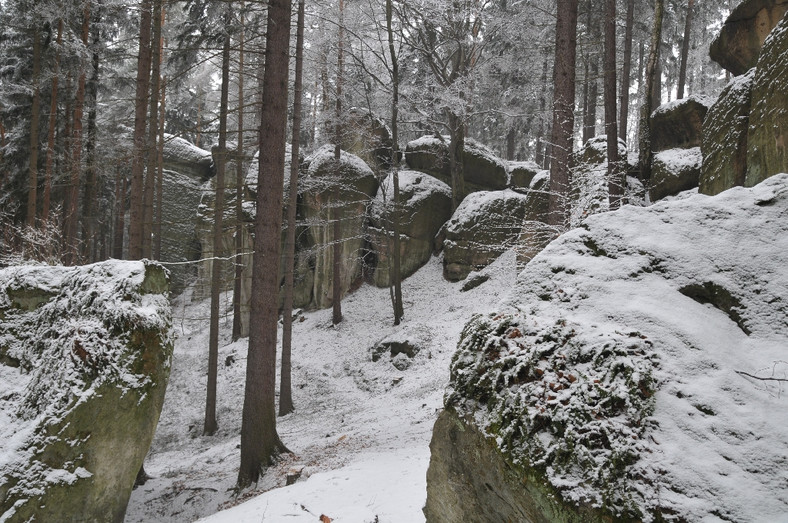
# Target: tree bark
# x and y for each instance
(35, 112)
(260, 442)
(218, 211)
(160, 150)
(626, 71)
(153, 133)
(140, 120)
(563, 111)
(285, 385)
(541, 147)
(45, 207)
(396, 272)
(120, 214)
(90, 202)
(645, 156)
(239, 184)
(615, 178)
(336, 247)
(685, 50)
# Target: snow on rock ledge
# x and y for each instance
(84, 361)
(628, 373)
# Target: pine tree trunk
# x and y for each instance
(541, 148)
(52, 126)
(563, 111)
(396, 272)
(90, 202)
(153, 134)
(626, 71)
(140, 120)
(35, 112)
(685, 50)
(160, 152)
(336, 219)
(120, 214)
(260, 442)
(615, 174)
(285, 385)
(218, 211)
(239, 184)
(645, 156)
(72, 206)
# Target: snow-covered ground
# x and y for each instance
(361, 430)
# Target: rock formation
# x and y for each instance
(84, 362)
(521, 174)
(738, 45)
(425, 205)
(641, 327)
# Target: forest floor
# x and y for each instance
(361, 430)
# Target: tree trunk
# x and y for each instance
(396, 272)
(563, 113)
(218, 211)
(120, 214)
(90, 202)
(160, 150)
(456, 167)
(153, 133)
(337, 243)
(685, 49)
(140, 120)
(626, 71)
(541, 147)
(35, 112)
(72, 207)
(645, 156)
(45, 207)
(615, 174)
(285, 385)
(260, 442)
(239, 184)
(589, 128)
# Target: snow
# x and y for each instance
(414, 187)
(678, 161)
(702, 99)
(361, 430)
(481, 203)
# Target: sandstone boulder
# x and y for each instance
(767, 138)
(674, 171)
(85, 361)
(425, 205)
(182, 156)
(369, 138)
(521, 174)
(739, 43)
(483, 227)
(483, 170)
(352, 187)
(679, 124)
(724, 144)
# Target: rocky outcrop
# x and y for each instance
(85, 359)
(521, 174)
(482, 228)
(674, 171)
(738, 45)
(425, 205)
(724, 144)
(483, 170)
(767, 139)
(613, 342)
(369, 138)
(182, 156)
(353, 186)
(679, 124)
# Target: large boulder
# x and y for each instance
(739, 43)
(679, 124)
(724, 143)
(84, 361)
(674, 171)
(631, 371)
(482, 169)
(329, 194)
(425, 205)
(483, 227)
(767, 139)
(521, 174)
(182, 156)
(368, 137)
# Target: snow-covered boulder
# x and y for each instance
(679, 124)
(636, 371)
(353, 187)
(84, 362)
(767, 139)
(521, 174)
(724, 143)
(482, 169)
(674, 171)
(425, 205)
(182, 156)
(739, 43)
(482, 228)
(368, 137)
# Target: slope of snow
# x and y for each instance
(361, 430)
